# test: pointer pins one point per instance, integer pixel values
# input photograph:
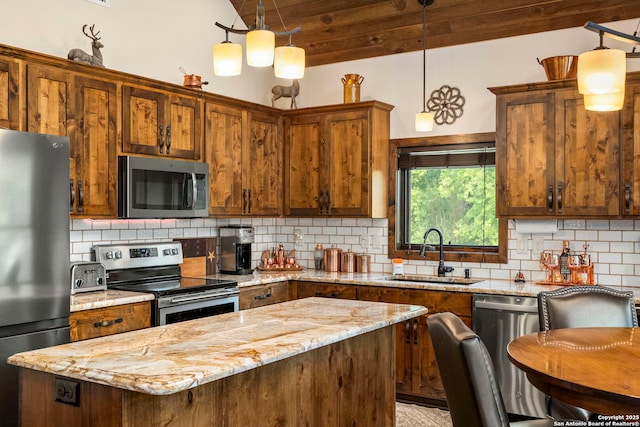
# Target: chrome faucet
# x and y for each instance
(442, 269)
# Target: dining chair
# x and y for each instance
(583, 307)
(468, 376)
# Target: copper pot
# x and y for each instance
(193, 81)
(332, 259)
(363, 263)
(560, 67)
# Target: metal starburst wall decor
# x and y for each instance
(446, 105)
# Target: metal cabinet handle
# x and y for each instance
(320, 199)
(72, 195)
(327, 206)
(559, 198)
(161, 141)
(263, 296)
(108, 322)
(627, 198)
(168, 139)
(415, 332)
(80, 197)
(329, 295)
(407, 329)
(550, 199)
(250, 201)
(244, 200)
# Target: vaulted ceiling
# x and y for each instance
(344, 30)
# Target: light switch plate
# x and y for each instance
(538, 244)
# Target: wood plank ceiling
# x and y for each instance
(343, 30)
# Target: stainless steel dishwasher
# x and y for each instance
(498, 319)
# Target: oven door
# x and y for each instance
(178, 308)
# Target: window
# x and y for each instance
(447, 183)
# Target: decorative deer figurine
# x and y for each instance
(286, 91)
(82, 56)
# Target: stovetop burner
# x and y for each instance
(178, 286)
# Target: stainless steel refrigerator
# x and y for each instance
(34, 259)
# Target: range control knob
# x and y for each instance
(99, 280)
(166, 252)
(118, 254)
(79, 283)
(109, 254)
(174, 251)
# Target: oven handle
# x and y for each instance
(195, 190)
(190, 298)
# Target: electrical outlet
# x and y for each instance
(67, 391)
(364, 241)
(538, 244)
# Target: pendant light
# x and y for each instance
(424, 119)
(227, 58)
(288, 61)
(602, 72)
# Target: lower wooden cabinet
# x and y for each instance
(417, 373)
(258, 296)
(325, 290)
(99, 322)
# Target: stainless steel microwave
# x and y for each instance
(162, 188)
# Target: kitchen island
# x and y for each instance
(305, 362)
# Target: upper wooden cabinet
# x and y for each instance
(631, 147)
(243, 150)
(9, 94)
(336, 160)
(553, 157)
(161, 123)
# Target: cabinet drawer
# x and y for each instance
(99, 322)
(327, 290)
(458, 303)
(258, 296)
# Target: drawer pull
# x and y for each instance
(263, 296)
(331, 295)
(108, 322)
(407, 333)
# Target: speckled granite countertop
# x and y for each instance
(168, 359)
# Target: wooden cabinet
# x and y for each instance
(305, 289)
(553, 157)
(336, 161)
(9, 93)
(99, 322)
(161, 123)
(631, 150)
(94, 141)
(85, 110)
(245, 161)
(417, 373)
(261, 295)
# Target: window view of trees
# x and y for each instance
(460, 201)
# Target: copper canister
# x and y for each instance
(363, 263)
(348, 263)
(332, 259)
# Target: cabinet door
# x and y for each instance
(142, 115)
(525, 142)
(587, 158)
(49, 93)
(263, 162)
(9, 94)
(183, 128)
(631, 151)
(94, 142)
(303, 148)
(344, 172)
(224, 129)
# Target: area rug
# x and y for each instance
(408, 415)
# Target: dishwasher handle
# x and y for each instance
(506, 306)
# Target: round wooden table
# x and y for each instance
(594, 368)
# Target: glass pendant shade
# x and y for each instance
(424, 122)
(289, 62)
(602, 71)
(260, 48)
(227, 59)
(604, 102)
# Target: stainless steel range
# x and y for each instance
(155, 268)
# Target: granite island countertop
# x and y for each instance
(172, 358)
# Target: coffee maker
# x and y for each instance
(235, 249)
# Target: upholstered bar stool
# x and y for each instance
(468, 376)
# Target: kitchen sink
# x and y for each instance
(423, 278)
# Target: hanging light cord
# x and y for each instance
(424, 56)
(284, 27)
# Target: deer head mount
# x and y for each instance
(82, 56)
